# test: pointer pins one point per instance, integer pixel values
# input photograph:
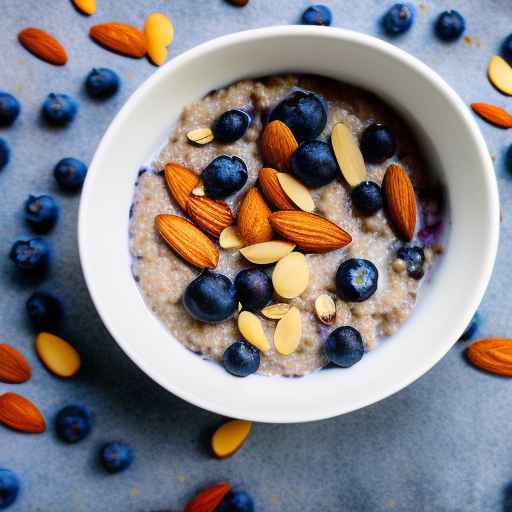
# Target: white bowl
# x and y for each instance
(452, 142)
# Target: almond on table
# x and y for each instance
(500, 74)
(57, 355)
(230, 437)
(493, 114)
(159, 33)
(493, 355)
(43, 45)
(19, 413)
(208, 499)
(14, 367)
(120, 38)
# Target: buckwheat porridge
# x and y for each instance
(323, 168)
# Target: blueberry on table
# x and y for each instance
(73, 423)
(102, 83)
(236, 501)
(450, 25)
(304, 112)
(59, 109)
(5, 153)
(231, 126)
(344, 346)
(30, 255)
(399, 18)
(254, 288)
(356, 280)
(9, 487)
(241, 359)
(317, 15)
(472, 328)
(414, 258)
(9, 109)
(44, 310)
(70, 174)
(377, 143)
(41, 212)
(116, 456)
(506, 48)
(367, 197)
(224, 176)
(314, 164)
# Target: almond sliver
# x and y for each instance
(500, 74)
(296, 191)
(347, 152)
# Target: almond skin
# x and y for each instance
(19, 413)
(493, 114)
(209, 214)
(43, 45)
(493, 355)
(278, 145)
(14, 367)
(273, 191)
(209, 499)
(187, 241)
(400, 201)
(252, 219)
(120, 38)
(309, 231)
(180, 181)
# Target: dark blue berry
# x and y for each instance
(30, 255)
(344, 346)
(399, 18)
(73, 423)
(41, 212)
(211, 297)
(254, 288)
(59, 109)
(304, 112)
(241, 359)
(70, 174)
(9, 487)
(5, 153)
(377, 143)
(116, 456)
(450, 25)
(367, 197)
(236, 501)
(231, 126)
(506, 48)
(9, 109)
(414, 258)
(314, 164)
(102, 83)
(224, 176)
(44, 310)
(317, 15)
(356, 280)
(472, 328)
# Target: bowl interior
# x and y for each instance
(453, 146)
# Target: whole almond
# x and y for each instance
(273, 191)
(43, 45)
(120, 38)
(209, 499)
(308, 231)
(252, 218)
(493, 114)
(19, 413)
(400, 200)
(209, 214)
(187, 241)
(14, 367)
(493, 355)
(180, 181)
(278, 145)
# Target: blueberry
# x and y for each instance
(224, 176)
(317, 15)
(211, 297)
(59, 109)
(356, 280)
(399, 18)
(41, 212)
(116, 456)
(231, 125)
(9, 109)
(414, 258)
(44, 310)
(5, 153)
(254, 288)
(472, 328)
(241, 359)
(102, 83)
(450, 25)
(314, 164)
(367, 197)
(377, 143)
(304, 112)
(73, 423)
(506, 48)
(70, 174)
(344, 346)
(30, 255)
(9, 487)
(236, 501)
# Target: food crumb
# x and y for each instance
(478, 44)
(181, 478)
(134, 491)
(424, 7)
(493, 158)
(468, 39)
(274, 500)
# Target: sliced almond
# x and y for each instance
(210, 214)
(273, 191)
(86, 6)
(200, 136)
(278, 145)
(251, 328)
(349, 156)
(275, 311)
(19, 413)
(14, 367)
(288, 332)
(493, 114)
(229, 437)
(296, 191)
(500, 74)
(325, 309)
(120, 38)
(57, 355)
(230, 238)
(43, 45)
(267, 252)
(492, 355)
(181, 182)
(159, 33)
(290, 277)
(199, 190)
(252, 219)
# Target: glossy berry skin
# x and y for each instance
(70, 174)
(9, 487)
(367, 197)
(506, 48)
(116, 456)
(344, 346)
(231, 126)
(30, 255)
(41, 212)
(9, 109)
(356, 280)
(102, 83)
(241, 359)
(5, 153)
(304, 112)
(472, 328)
(377, 143)
(224, 176)
(414, 258)
(450, 25)
(399, 19)
(254, 288)
(211, 297)
(73, 423)
(314, 164)
(59, 109)
(236, 501)
(317, 15)
(44, 310)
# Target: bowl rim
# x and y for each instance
(420, 68)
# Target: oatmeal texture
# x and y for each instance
(163, 276)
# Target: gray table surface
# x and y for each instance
(442, 444)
